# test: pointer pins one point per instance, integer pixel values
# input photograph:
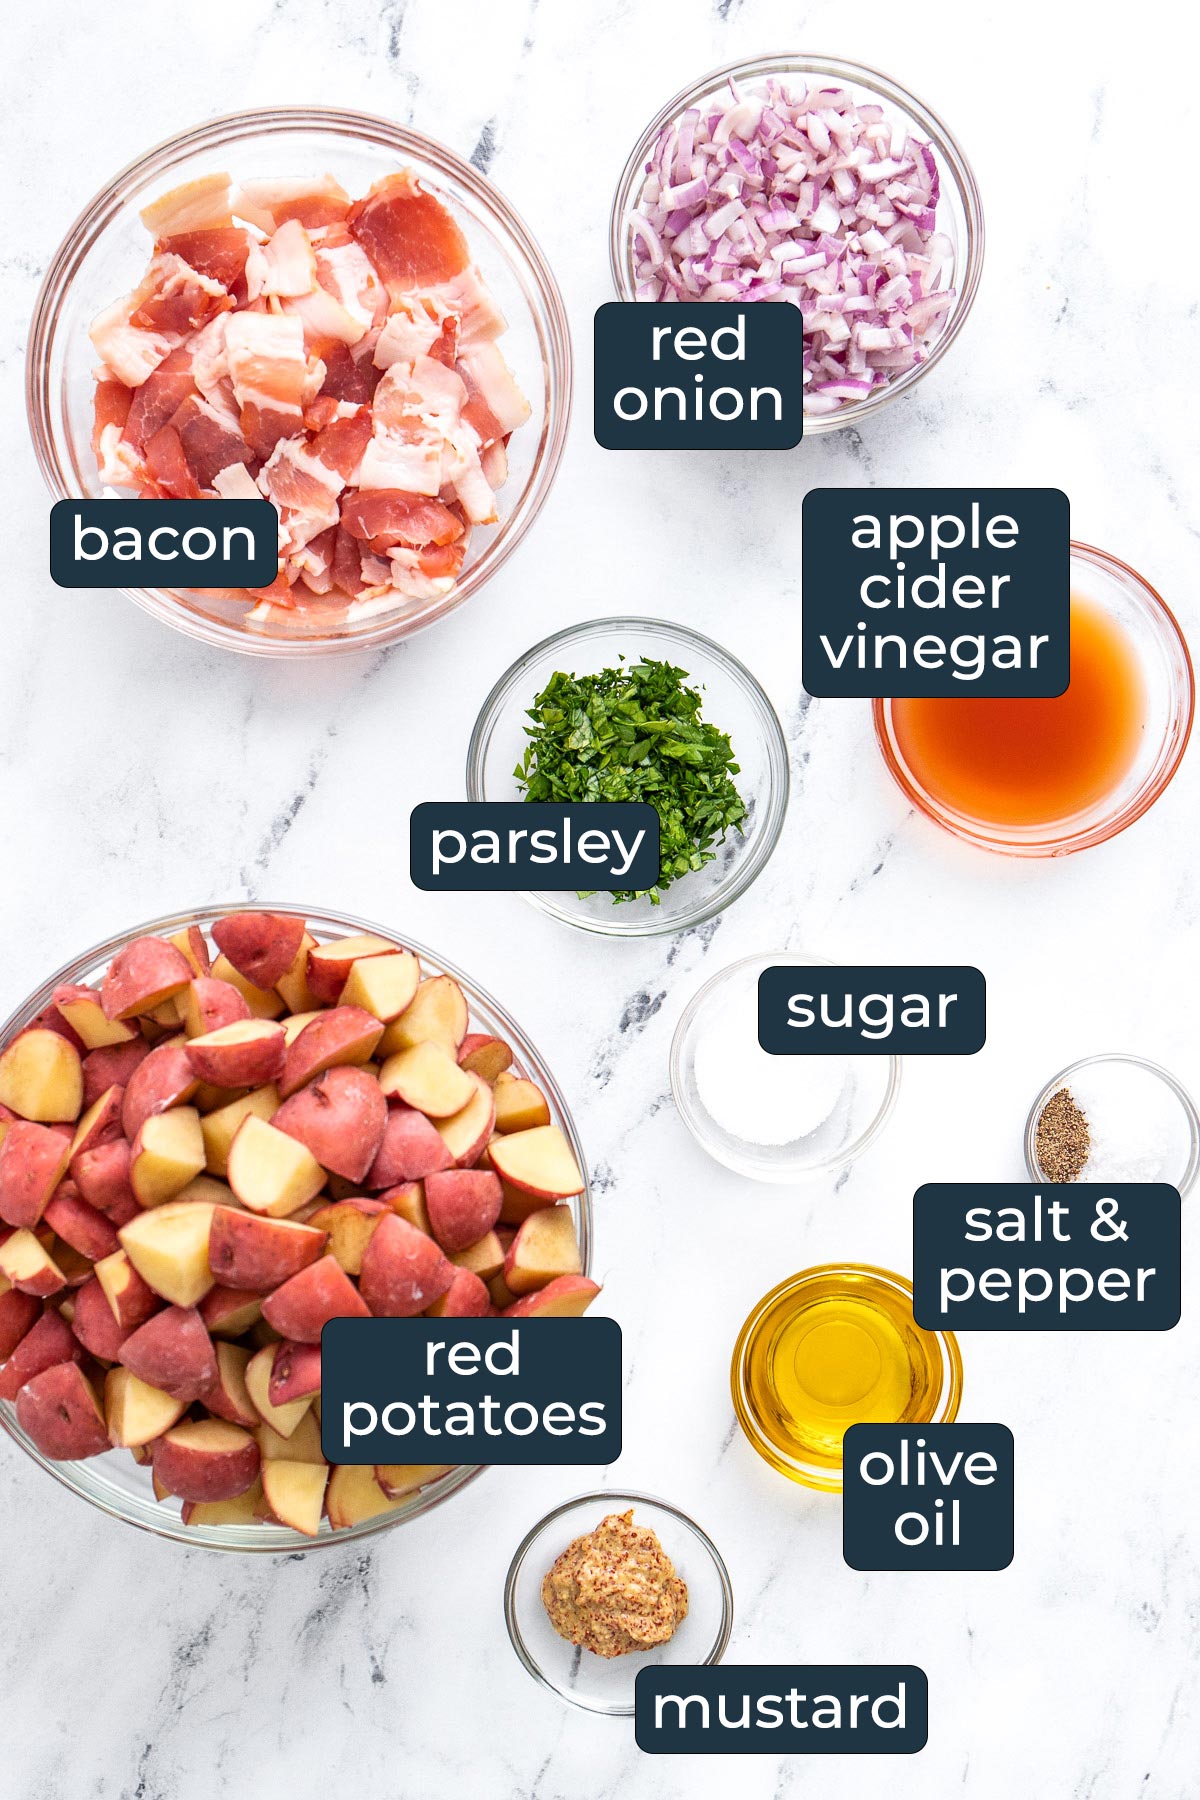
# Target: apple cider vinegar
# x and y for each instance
(832, 1348)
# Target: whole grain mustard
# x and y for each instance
(615, 1590)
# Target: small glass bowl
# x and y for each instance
(114, 1482)
(733, 702)
(959, 215)
(864, 1107)
(1185, 1177)
(1170, 703)
(780, 1455)
(105, 253)
(596, 1683)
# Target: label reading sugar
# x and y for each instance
(776, 1709)
(507, 846)
(164, 543)
(810, 1010)
(695, 376)
(935, 593)
(452, 1391)
(1071, 1256)
(927, 1497)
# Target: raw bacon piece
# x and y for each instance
(306, 492)
(411, 331)
(385, 517)
(199, 205)
(130, 353)
(112, 403)
(236, 483)
(220, 252)
(412, 579)
(209, 442)
(473, 304)
(179, 299)
(341, 443)
(269, 370)
(284, 266)
(408, 234)
(167, 466)
(269, 204)
(348, 377)
(496, 405)
(347, 563)
(119, 465)
(159, 398)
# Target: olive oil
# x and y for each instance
(833, 1348)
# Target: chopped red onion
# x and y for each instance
(800, 195)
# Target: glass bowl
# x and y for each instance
(858, 1115)
(596, 1683)
(114, 1482)
(959, 213)
(1166, 666)
(106, 250)
(774, 1447)
(1184, 1176)
(733, 702)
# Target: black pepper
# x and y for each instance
(1062, 1141)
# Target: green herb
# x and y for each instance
(636, 734)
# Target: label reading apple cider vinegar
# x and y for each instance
(445, 1392)
(936, 593)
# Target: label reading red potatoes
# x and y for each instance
(454, 1391)
(164, 543)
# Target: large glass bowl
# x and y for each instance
(733, 701)
(114, 1482)
(1161, 651)
(959, 213)
(106, 251)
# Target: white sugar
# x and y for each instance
(761, 1099)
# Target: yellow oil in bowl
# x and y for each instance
(835, 1347)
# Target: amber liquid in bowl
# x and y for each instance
(1033, 762)
(836, 1348)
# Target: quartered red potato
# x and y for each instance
(338, 357)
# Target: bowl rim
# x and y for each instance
(529, 263)
(968, 263)
(766, 837)
(1053, 841)
(281, 1541)
(1190, 1112)
(831, 1481)
(848, 1154)
(611, 1499)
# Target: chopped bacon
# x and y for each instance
(408, 234)
(341, 443)
(220, 252)
(496, 405)
(167, 466)
(347, 378)
(279, 591)
(268, 366)
(269, 204)
(440, 560)
(284, 266)
(209, 442)
(347, 562)
(199, 205)
(159, 398)
(444, 348)
(175, 298)
(113, 400)
(384, 517)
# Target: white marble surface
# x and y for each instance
(141, 773)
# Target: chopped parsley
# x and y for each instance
(636, 733)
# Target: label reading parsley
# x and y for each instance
(504, 846)
(636, 733)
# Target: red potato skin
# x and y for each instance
(174, 1352)
(220, 1303)
(262, 946)
(484, 1055)
(247, 1251)
(138, 1300)
(403, 1271)
(48, 1341)
(295, 1373)
(106, 1125)
(340, 1117)
(251, 1064)
(328, 973)
(83, 1227)
(466, 1298)
(463, 1205)
(58, 1409)
(542, 1299)
(302, 1306)
(164, 1080)
(32, 1164)
(102, 1177)
(111, 1066)
(95, 1325)
(142, 969)
(411, 1149)
(218, 1003)
(191, 1475)
(50, 1019)
(19, 1313)
(198, 949)
(346, 1034)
